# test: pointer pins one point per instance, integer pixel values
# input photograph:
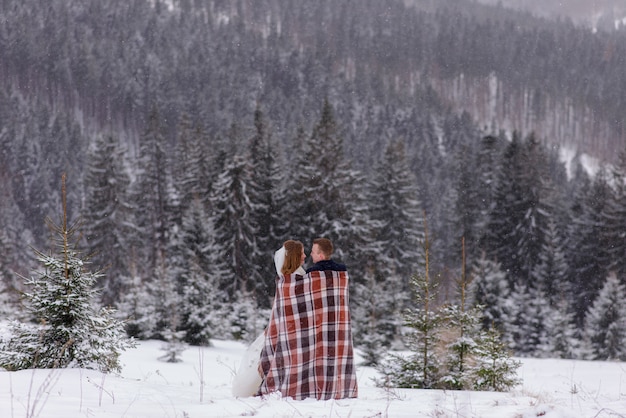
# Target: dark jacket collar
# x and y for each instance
(324, 265)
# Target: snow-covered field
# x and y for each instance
(200, 386)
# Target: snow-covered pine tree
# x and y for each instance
(201, 265)
(473, 198)
(136, 308)
(107, 214)
(615, 218)
(287, 176)
(396, 213)
(243, 319)
(6, 278)
(565, 338)
(396, 223)
(173, 347)
(605, 323)
(375, 323)
(327, 196)
(232, 209)
(457, 207)
(508, 208)
(190, 167)
(461, 333)
(150, 305)
(535, 186)
(164, 301)
(445, 251)
(519, 214)
(477, 358)
(266, 215)
(294, 197)
(489, 288)
(150, 190)
(462, 326)
(13, 234)
(422, 367)
(203, 307)
(526, 331)
(550, 274)
(537, 325)
(587, 256)
(495, 370)
(173, 337)
(62, 298)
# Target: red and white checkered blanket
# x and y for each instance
(308, 344)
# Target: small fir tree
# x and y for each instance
(173, 347)
(71, 332)
(174, 344)
(464, 327)
(422, 368)
(495, 370)
(474, 359)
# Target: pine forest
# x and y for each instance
(196, 136)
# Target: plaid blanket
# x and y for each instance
(308, 343)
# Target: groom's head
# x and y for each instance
(322, 249)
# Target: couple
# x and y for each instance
(307, 350)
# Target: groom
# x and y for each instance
(321, 252)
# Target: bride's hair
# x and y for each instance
(293, 256)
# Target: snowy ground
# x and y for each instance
(200, 386)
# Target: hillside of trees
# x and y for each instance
(197, 136)
(602, 14)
